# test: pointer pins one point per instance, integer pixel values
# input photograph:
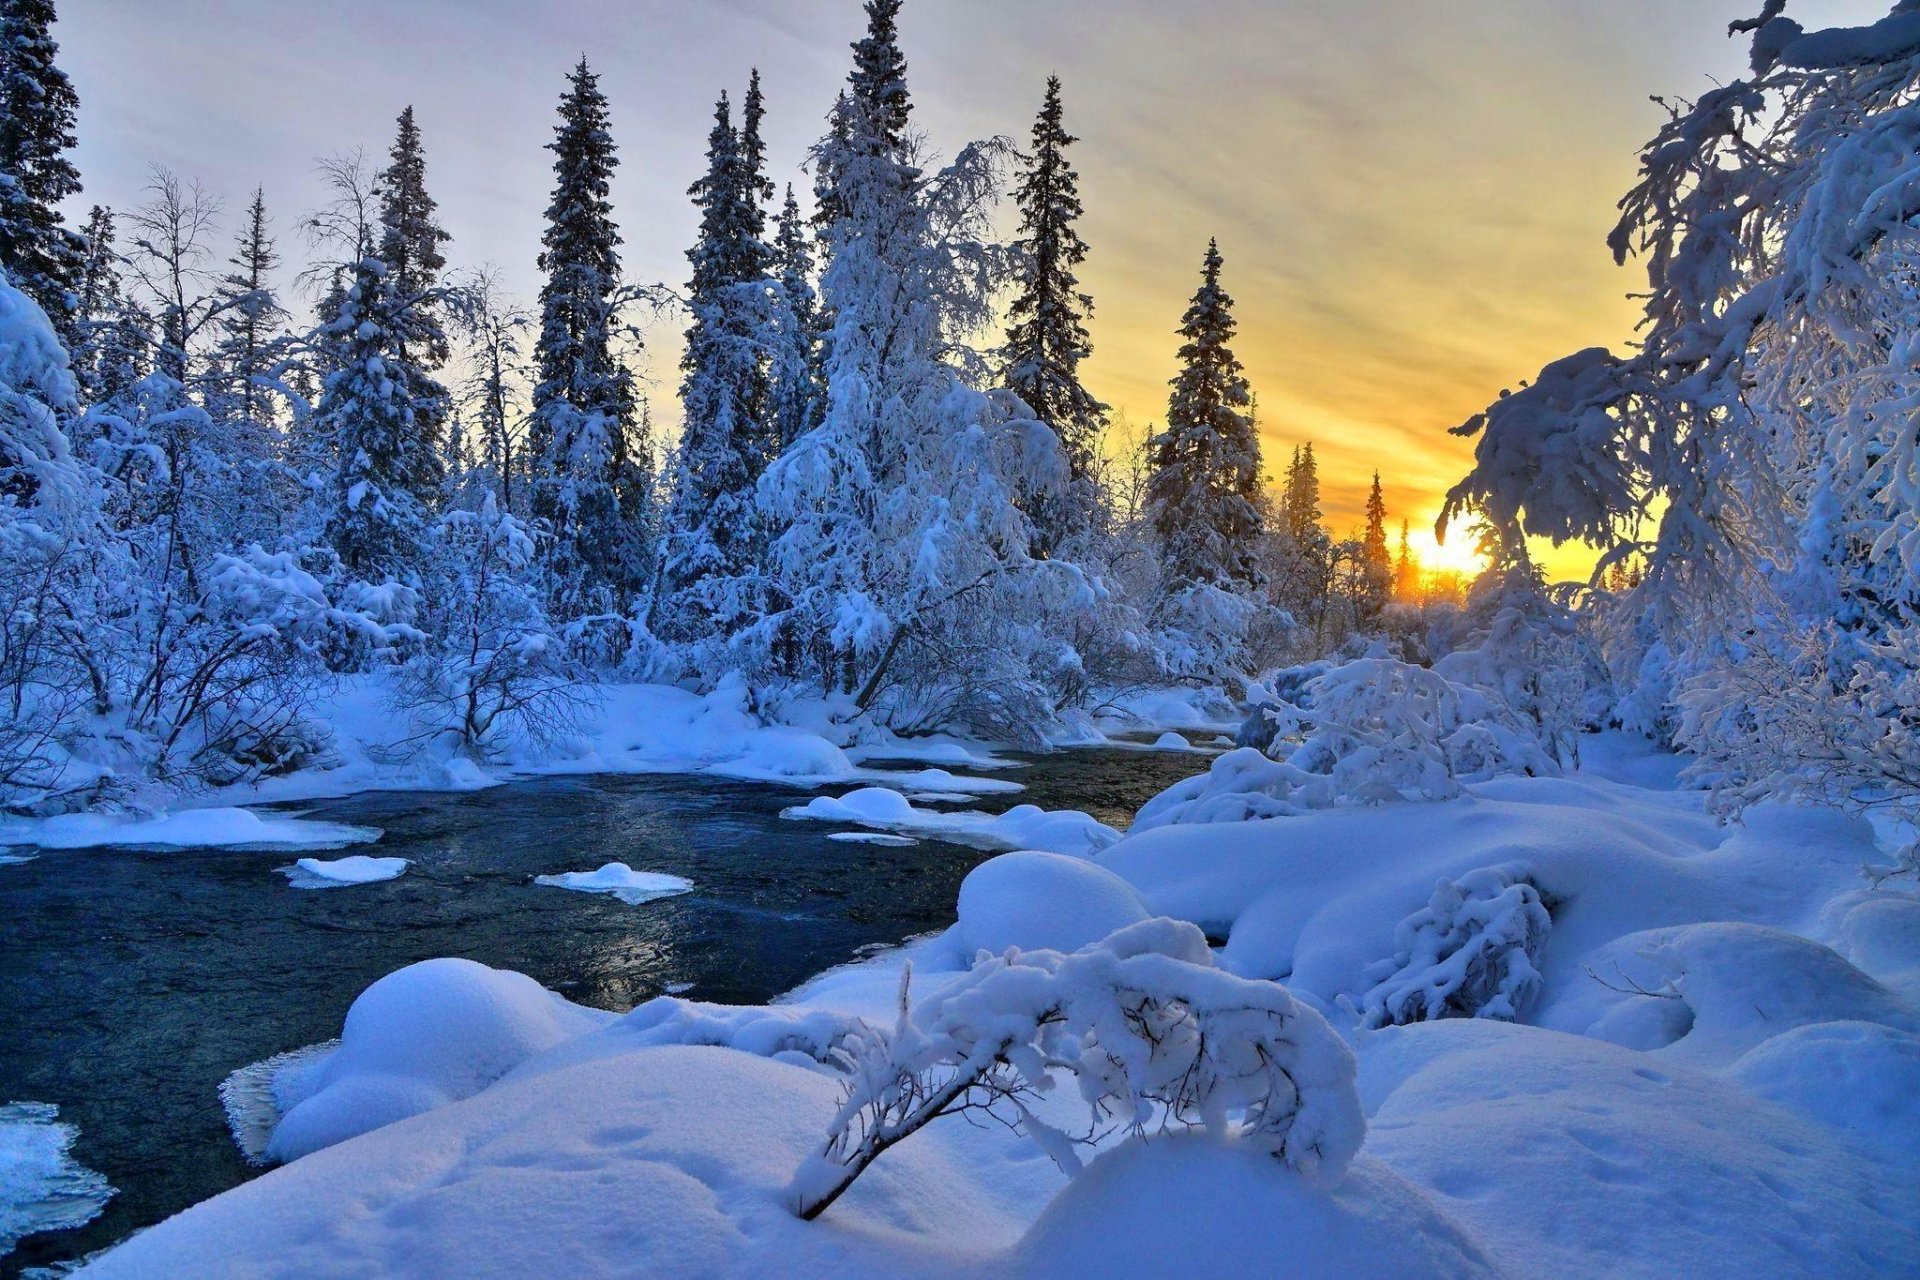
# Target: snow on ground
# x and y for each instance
(621, 881)
(42, 1188)
(1024, 826)
(1713, 1075)
(221, 828)
(337, 873)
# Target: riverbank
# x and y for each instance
(1710, 1073)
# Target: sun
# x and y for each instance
(1456, 555)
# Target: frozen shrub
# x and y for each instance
(1153, 1034)
(1471, 952)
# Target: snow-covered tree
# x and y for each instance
(796, 390)
(587, 483)
(903, 555)
(408, 241)
(725, 436)
(1201, 498)
(1047, 339)
(38, 108)
(490, 397)
(386, 417)
(115, 336)
(1376, 561)
(1755, 450)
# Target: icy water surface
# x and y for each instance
(131, 984)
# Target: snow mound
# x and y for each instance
(42, 1188)
(1568, 1157)
(419, 1038)
(622, 881)
(872, 837)
(1024, 826)
(1043, 901)
(358, 868)
(1879, 931)
(1241, 1213)
(1859, 1077)
(188, 829)
(1725, 988)
(1171, 741)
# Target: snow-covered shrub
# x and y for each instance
(495, 671)
(1371, 731)
(1471, 952)
(1152, 1033)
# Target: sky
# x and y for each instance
(1412, 196)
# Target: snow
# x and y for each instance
(623, 882)
(419, 1038)
(1034, 900)
(42, 1188)
(1241, 1214)
(322, 873)
(1710, 1072)
(1024, 826)
(214, 828)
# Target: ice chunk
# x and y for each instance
(336, 873)
(622, 881)
(42, 1188)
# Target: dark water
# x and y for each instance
(132, 983)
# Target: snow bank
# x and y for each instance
(358, 868)
(622, 881)
(1024, 826)
(42, 1188)
(419, 1038)
(1240, 1213)
(1035, 900)
(1857, 1077)
(187, 829)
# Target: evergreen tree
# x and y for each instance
(1406, 571)
(1047, 338)
(114, 336)
(586, 482)
(878, 83)
(1376, 561)
(386, 416)
(1302, 500)
(252, 321)
(409, 243)
(1201, 496)
(796, 391)
(38, 108)
(724, 385)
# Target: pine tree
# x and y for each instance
(409, 243)
(796, 392)
(879, 82)
(1047, 338)
(114, 336)
(1201, 497)
(1376, 562)
(724, 385)
(38, 108)
(585, 479)
(1303, 496)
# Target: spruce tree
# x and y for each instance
(409, 243)
(796, 392)
(724, 385)
(1047, 338)
(385, 417)
(1201, 498)
(113, 336)
(586, 483)
(38, 109)
(1406, 571)
(251, 321)
(1376, 562)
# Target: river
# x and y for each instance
(132, 983)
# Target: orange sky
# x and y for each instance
(1412, 195)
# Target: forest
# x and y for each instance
(296, 505)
